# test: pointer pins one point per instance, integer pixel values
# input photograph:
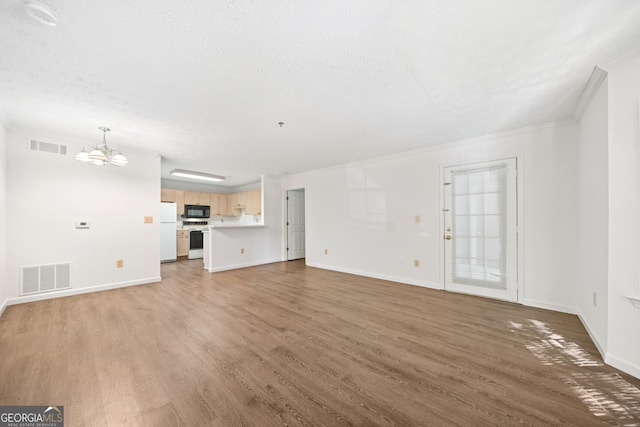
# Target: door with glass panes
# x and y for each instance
(480, 229)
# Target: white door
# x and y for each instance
(480, 229)
(295, 224)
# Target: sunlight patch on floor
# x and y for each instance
(607, 395)
(554, 349)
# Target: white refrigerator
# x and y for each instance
(168, 227)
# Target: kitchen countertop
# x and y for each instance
(238, 226)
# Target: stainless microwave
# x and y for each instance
(196, 211)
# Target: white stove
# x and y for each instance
(196, 241)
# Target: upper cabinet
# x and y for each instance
(238, 202)
(254, 202)
(166, 195)
(203, 199)
(178, 198)
(191, 197)
(221, 204)
(170, 195)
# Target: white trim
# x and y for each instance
(518, 158)
(437, 147)
(593, 84)
(549, 306)
(396, 279)
(243, 265)
(3, 306)
(622, 58)
(592, 336)
(624, 365)
(78, 291)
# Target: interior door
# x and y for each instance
(295, 224)
(480, 229)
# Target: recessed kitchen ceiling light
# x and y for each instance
(41, 13)
(197, 175)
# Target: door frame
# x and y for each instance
(520, 224)
(285, 213)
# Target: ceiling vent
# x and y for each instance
(36, 279)
(48, 147)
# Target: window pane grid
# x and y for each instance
(479, 234)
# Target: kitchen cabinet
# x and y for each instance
(238, 202)
(178, 199)
(166, 195)
(219, 204)
(170, 195)
(183, 243)
(203, 199)
(254, 202)
(191, 197)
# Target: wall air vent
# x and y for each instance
(47, 147)
(35, 279)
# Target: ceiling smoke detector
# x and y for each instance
(42, 13)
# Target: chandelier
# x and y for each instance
(102, 154)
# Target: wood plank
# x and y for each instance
(285, 344)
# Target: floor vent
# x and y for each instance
(36, 279)
(48, 147)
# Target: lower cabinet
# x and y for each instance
(183, 243)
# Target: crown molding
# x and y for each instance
(434, 148)
(598, 75)
(629, 54)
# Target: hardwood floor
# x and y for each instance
(285, 344)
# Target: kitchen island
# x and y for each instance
(227, 247)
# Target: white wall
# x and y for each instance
(363, 214)
(623, 345)
(593, 218)
(48, 193)
(3, 218)
(261, 245)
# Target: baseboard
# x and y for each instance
(243, 265)
(402, 280)
(79, 291)
(624, 365)
(549, 306)
(3, 306)
(592, 336)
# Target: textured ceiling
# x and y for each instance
(204, 83)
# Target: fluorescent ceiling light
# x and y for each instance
(197, 175)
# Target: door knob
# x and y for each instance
(447, 237)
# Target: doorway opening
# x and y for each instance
(295, 224)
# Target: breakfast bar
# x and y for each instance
(238, 246)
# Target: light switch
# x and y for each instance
(416, 219)
(148, 220)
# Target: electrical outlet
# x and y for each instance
(326, 251)
(119, 263)
(416, 263)
(241, 250)
(416, 219)
(148, 220)
(595, 299)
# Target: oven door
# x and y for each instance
(196, 244)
